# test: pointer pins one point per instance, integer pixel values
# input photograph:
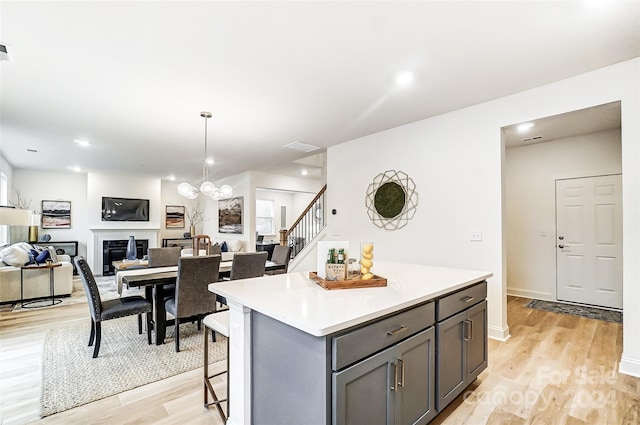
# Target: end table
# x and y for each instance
(49, 266)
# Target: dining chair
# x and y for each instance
(248, 264)
(200, 242)
(110, 309)
(281, 255)
(192, 299)
(164, 257)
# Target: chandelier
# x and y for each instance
(206, 188)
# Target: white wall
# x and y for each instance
(7, 169)
(122, 186)
(39, 186)
(455, 161)
(531, 172)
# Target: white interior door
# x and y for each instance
(589, 240)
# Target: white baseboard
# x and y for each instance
(525, 293)
(629, 366)
(500, 334)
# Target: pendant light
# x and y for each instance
(206, 188)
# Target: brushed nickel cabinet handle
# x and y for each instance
(395, 377)
(397, 331)
(401, 365)
(468, 299)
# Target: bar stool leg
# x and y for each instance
(208, 388)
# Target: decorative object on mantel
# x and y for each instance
(206, 188)
(391, 200)
(56, 214)
(131, 249)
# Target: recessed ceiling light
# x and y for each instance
(210, 161)
(82, 143)
(404, 78)
(304, 172)
(172, 178)
(74, 168)
(525, 126)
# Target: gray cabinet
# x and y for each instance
(402, 368)
(395, 386)
(461, 335)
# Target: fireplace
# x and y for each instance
(115, 250)
(95, 245)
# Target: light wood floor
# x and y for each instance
(555, 369)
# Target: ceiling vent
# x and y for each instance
(304, 147)
(5, 53)
(532, 139)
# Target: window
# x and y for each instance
(265, 216)
(4, 198)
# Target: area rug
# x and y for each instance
(577, 310)
(71, 377)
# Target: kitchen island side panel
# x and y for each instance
(291, 374)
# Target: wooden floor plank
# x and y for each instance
(550, 370)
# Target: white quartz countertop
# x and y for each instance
(298, 301)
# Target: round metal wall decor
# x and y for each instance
(391, 200)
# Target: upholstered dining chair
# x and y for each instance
(248, 264)
(192, 299)
(281, 255)
(164, 257)
(110, 309)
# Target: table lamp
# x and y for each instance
(34, 222)
(11, 216)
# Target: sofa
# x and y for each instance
(36, 282)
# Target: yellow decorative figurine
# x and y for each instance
(366, 261)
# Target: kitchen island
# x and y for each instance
(302, 354)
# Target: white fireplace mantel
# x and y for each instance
(98, 236)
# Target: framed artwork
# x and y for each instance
(174, 218)
(56, 214)
(230, 215)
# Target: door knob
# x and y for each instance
(560, 246)
(561, 238)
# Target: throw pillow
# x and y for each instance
(235, 245)
(16, 255)
(52, 254)
(223, 247)
(43, 257)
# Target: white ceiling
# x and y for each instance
(131, 77)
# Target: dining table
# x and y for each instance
(155, 283)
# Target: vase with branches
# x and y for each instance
(195, 216)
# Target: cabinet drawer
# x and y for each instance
(452, 304)
(362, 342)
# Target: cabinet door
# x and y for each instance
(415, 398)
(450, 359)
(476, 340)
(362, 392)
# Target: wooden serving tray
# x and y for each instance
(350, 283)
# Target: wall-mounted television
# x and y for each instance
(124, 209)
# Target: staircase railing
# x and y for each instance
(307, 226)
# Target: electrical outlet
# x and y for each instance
(476, 235)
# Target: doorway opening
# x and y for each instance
(573, 145)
